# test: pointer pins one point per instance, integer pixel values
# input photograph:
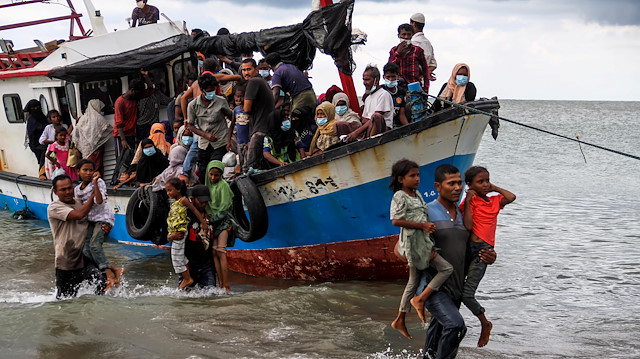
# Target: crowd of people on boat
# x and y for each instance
(233, 115)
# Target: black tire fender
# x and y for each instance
(255, 227)
(143, 213)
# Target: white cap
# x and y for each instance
(418, 17)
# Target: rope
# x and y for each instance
(537, 129)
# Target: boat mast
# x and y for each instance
(347, 81)
(74, 17)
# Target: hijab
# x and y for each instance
(92, 130)
(179, 139)
(227, 89)
(328, 129)
(221, 194)
(453, 91)
(157, 136)
(280, 138)
(349, 116)
(176, 159)
(150, 166)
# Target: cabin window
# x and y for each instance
(44, 104)
(160, 78)
(181, 69)
(71, 99)
(106, 91)
(13, 108)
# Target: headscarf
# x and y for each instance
(176, 159)
(150, 166)
(179, 139)
(92, 130)
(227, 89)
(328, 129)
(453, 91)
(221, 194)
(36, 122)
(157, 136)
(349, 116)
(282, 138)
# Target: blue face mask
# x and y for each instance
(149, 151)
(210, 95)
(391, 84)
(321, 121)
(187, 140)
(200, 63)
(286, 125)
(341, 110)
(462, 80)
(264, 73)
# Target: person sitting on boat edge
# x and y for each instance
(289, 78)
(199, 255)
(222, 223)
(209, 112)
(49, 134)
(326, 136)
(447, 328)
(377, 114)
(101, 219)
(458, 89)
(409, 58)
(144, 14)
(417, 22)
(259, 105)
(159, 142)
(398, 92)
(282, 144)
(302, 120)
(347, 120)
(151, 164)
(68, 221)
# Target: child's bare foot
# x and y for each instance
(484, 334)
(111, 279)
(118, 272)
(186, 282)
(418, 304)
(399, 325)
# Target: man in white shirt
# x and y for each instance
(417, 21)
(377, 114)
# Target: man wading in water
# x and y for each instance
(68, 221)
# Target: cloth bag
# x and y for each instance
(74, 155)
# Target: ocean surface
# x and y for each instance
(566, 283)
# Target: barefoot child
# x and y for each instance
(480, 217)
(101, 219)
(409, 212)
(222, 222)
(177, 226)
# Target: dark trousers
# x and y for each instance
(477, 268)
(203, 277)
(143, 131)
(68, 281)
(207, 155)
(255, 158)
(39, 151)
(131, 141)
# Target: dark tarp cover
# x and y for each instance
(328, 29)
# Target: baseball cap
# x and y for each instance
(418, 17)
(200, 192)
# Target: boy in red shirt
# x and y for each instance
(481, 218)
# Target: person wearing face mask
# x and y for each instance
(207, 118)
(377, 113)
(265, 71)
(398, 93)
(282, 144)
(410, 58)
(144, 14)
(152, 163)
(347, 120)
(458, 89)
(326, 136)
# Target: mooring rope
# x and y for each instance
(536, 128)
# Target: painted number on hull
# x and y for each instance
(315, 186)
(430, 194)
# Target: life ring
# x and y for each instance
(249, 230)
(146, 217)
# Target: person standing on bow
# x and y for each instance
(417, 22)
(458, 89)
(144, 14)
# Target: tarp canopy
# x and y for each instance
(327, 29)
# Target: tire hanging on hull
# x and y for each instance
(146, 217)
(255, 227)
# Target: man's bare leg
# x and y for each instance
(399, 325)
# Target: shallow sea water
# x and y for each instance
(565, 284)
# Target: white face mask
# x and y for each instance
(140, 4)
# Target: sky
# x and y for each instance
(516, 49)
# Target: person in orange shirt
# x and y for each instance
(480, 214)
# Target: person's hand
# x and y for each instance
(284, 163)
(432, 77)
(488, 256)
(429, 227)
(177, 236)
(403, 48)
(125, 145)
(184, 179)
(224, 59)
(433, 254)
(106, 228)
(228, 147)
(96, 176)
(211, 137)
(471, 193)
(187, 125)
(351, 137)
(493, 188)
(144, 72)
(205, 226)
